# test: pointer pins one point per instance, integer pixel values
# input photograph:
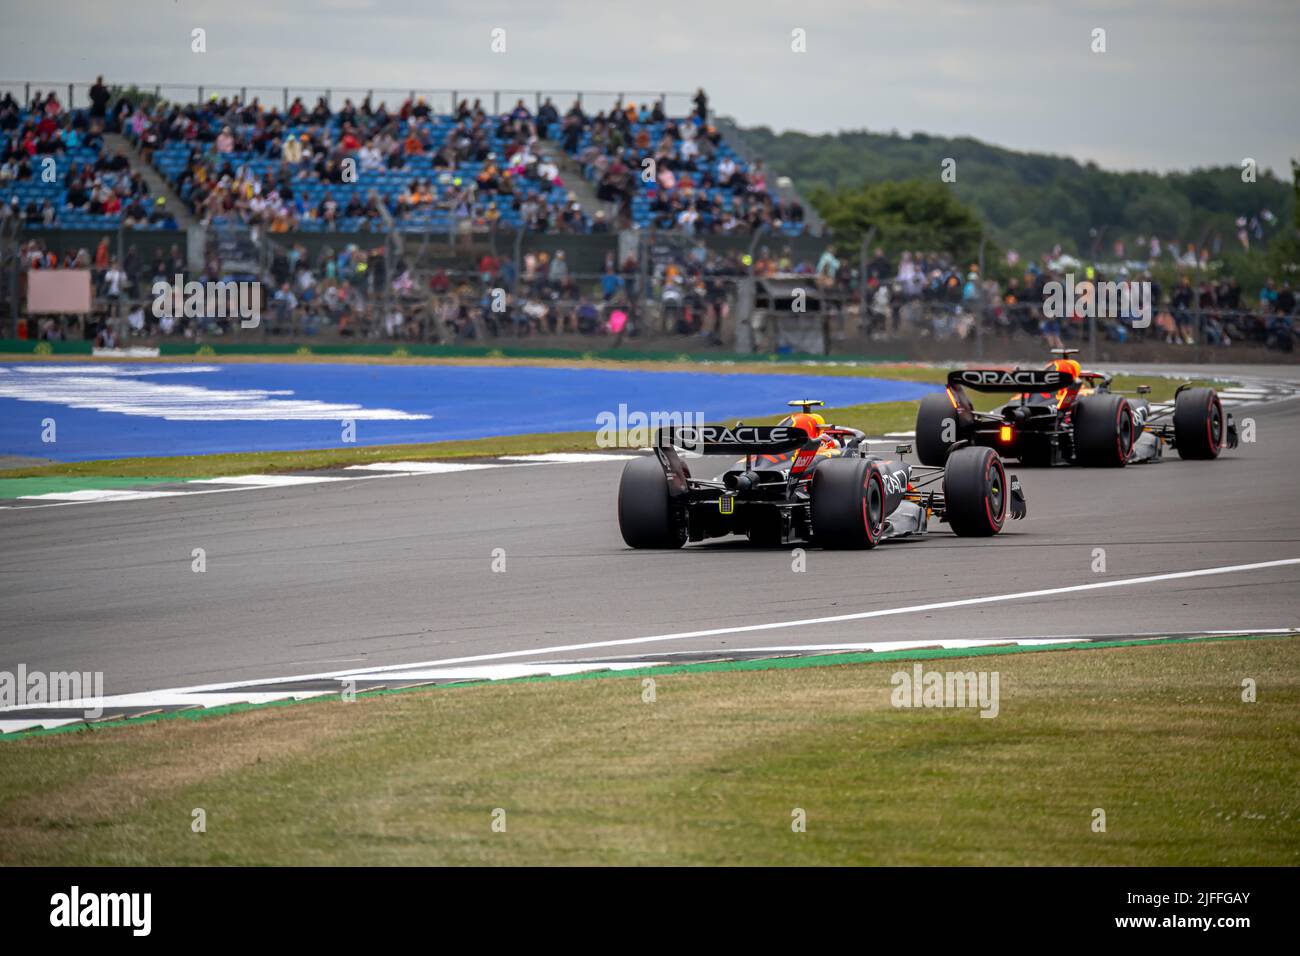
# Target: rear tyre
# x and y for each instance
(975, 492)
(847, 504)
(645, 514)
(1104, 430)
(931, 424)
(1198, 424)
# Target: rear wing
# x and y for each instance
(1011, 380)
(733, 439)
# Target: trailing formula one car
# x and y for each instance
(1065, 415)
(805, 480)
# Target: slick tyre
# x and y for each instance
(975, 492)
(646, 516)
(935, 418)
(1198, 424)
(1104, 430)
(847, 504)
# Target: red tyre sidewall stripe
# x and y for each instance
(1123, 409)
(1209, 423)
(872, 475)
(995, 523)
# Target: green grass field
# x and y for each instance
(711, 772)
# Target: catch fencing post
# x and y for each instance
(862, 278)
(519, 242)
(979, 317)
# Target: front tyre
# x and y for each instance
(1104, 430)
(975, 492)
(934, 419)
(646, 516)
(1198, 424)
(847, 503)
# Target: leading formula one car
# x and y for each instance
(1065, 415)
(805, 480)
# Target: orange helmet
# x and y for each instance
(1070, 367)
(810, 422)
(1067, 365)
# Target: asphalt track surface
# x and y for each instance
(361, 574)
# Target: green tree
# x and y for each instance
(911, 214)
(1022, 197)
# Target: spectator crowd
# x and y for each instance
(55, 170)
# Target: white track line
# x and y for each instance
(182, 494)
(124, 494)
(423, 467)
(162, 698)
(568, 458)
(11, 726)
(390, 469)
(496, 671)
(203, 696)
(266, 481)
(747, 628)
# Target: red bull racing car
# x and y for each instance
(805, 481)
(1065, 415)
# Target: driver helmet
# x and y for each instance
(1067, 365)
(810, 422)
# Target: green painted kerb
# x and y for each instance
(18, 487)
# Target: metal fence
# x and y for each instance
(446, 297)
(76, 95)
(737, 313)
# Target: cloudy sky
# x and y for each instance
(1182, 83)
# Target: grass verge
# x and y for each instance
(710, 773)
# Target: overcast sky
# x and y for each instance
(1183, 83)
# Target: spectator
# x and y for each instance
(99, 97)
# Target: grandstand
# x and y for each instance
(413, 169)
(438, 172)
(363, 221)
(56, 173)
